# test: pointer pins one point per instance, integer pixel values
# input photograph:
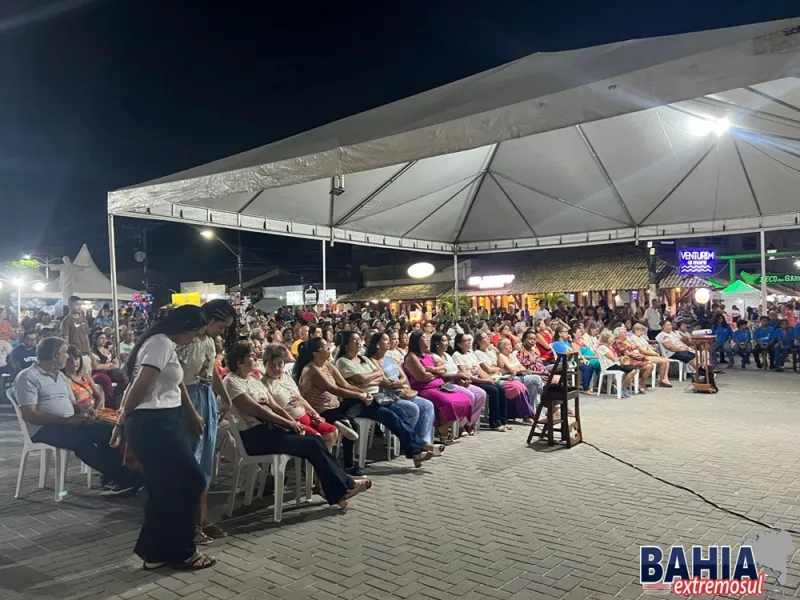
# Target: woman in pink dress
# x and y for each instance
(420, 367)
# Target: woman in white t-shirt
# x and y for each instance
(265, 427)
(153, 417)
(470, 366)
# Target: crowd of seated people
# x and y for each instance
(304, 384)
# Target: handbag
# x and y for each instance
(448, 387)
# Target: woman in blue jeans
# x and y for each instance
(340, 402)
(416, 411)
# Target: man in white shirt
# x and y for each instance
(652, 317)
(47, 404)
(674, 346)
(542, 313)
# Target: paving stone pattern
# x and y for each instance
(490, 519)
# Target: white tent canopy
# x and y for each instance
(81, 277)
(606, 144)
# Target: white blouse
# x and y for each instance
(447, 361)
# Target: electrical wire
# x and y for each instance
(691, 491)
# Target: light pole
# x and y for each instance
(209, 234)
(19, 283)
(44, 259)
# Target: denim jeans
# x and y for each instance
(418, 413)
(743, 352)
(411, 444)
(779, 355)
(726, 348)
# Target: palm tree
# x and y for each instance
(554, 298)
(447, 305)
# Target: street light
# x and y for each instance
(19, 283)
(209, 234)
(44, 259)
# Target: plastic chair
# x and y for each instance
(681, 364)
(366, 435)
(618, 376)
(249, 466)
(29, 446)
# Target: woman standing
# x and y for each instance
(265, 428)
(448, 370)
(469, 365)
(153, 418)
(425, 377)
(202, 384)
(517, 397)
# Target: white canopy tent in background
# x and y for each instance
(81, 277)
(677, 136)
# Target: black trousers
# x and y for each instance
(348, 409)
(173, 480)
(498, 405)
(89, 442)
(274, 440)
(653, 333)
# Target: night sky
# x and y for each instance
(101, 94)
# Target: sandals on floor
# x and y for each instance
(361, 486)
(421, 458)
(197, 562)
(214, 531)
(201, 538)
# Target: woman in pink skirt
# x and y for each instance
(450, 402)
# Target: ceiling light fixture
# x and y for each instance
(421, 270)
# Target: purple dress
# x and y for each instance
(450, 406)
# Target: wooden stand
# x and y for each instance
(556, 396)
(702, 347)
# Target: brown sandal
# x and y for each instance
(361, 485)
(197, 562)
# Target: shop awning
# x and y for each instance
(404, 293)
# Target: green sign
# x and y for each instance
(772, 278)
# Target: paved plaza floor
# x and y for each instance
(492, 518)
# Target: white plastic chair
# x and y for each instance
(366, 435)
(288, 368)
(618, 376)
(29, 446)
(681, 364)
(249, 466)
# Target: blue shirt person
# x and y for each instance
(723, 334)
(742, 342)
(784, 340)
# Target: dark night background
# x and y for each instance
(101, 94)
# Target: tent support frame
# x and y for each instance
(763, 274)
(747, 177)
(112, 255)
(610, 182)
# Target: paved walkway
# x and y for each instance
(490, 519)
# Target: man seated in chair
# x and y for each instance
(674, 346)
(47, 404)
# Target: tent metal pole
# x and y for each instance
(456, 309)
(324, 276)
(112, 251)
(763, 275)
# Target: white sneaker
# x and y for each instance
(347, 431)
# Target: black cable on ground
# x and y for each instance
(691, 491)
